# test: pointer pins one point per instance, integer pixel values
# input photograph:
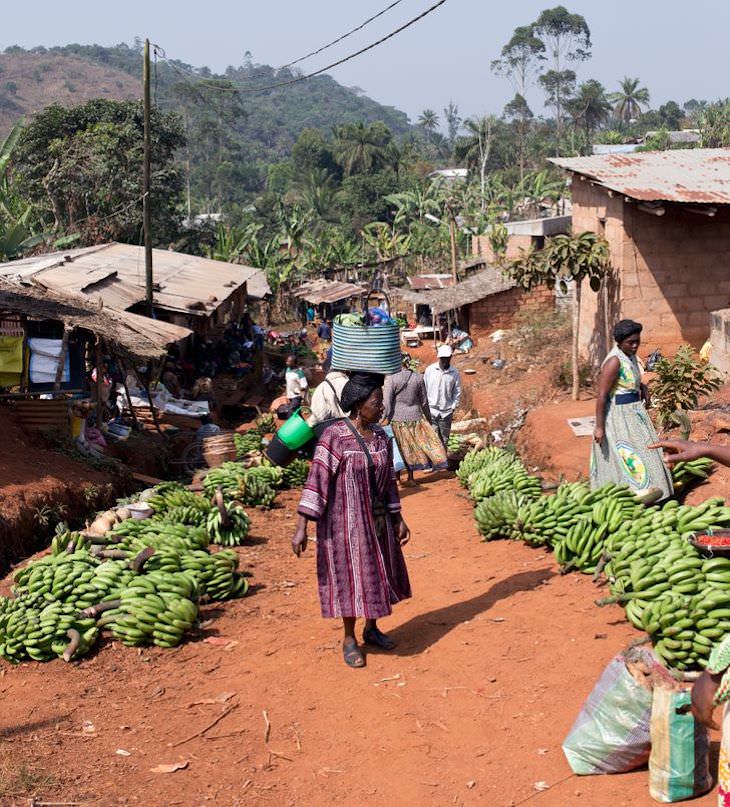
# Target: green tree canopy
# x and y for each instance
(82, 170)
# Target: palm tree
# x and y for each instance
(429, 120)
(361, 149)
(590, 107)
(629, 99)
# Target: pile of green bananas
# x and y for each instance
(247, 443)
(295, 474)
(153, 609)
(78, 580)
(32, 628)
(162, 501)
(482, 458)
(584, 544)
(230, 477)
(496, 470)
(265, 423)
(685, 474)
(228, 529)
(65, 541)
(257, 492)
(216, 574)
(454, 443)
(497, 516)
(158, 534)
(271, 474)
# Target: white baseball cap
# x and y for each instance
(444, 352)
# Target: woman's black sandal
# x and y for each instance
(377, 638)
(353, 656)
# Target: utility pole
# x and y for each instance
(452, 234)
(147, 159)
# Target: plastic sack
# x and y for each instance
(679, 763)
(611, 733)
(398, 464)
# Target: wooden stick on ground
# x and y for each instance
(210, 725)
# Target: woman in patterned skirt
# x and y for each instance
(407, 410)
(623, 429)
(351, 493)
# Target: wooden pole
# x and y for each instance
(99, 381)
(452, 234)
(146, 181)
(575, 358)
(129, 397)
(61, 361)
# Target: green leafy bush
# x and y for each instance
(680, 382)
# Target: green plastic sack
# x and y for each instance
(679, 763)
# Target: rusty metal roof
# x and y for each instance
(327, 291)
(692, 176)
(115, 273)
(480, 285)
(427, 282)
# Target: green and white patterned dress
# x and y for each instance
(623, 456)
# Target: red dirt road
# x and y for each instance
(496, 654)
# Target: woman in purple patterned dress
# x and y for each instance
(351, 493)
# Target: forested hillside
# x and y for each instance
(232, 137)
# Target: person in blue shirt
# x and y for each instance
(325, 330)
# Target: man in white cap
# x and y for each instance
(443, 387)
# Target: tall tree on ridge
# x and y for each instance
(519, 63)
(567, 38)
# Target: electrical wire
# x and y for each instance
(344, 36)
(299, 79)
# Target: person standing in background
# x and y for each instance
(296, 383)
(443, 388)
(324, 332)
(407, 411)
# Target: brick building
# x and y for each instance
(522, 236)
(666, 217)
(484, 302)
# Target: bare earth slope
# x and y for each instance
(29, 82)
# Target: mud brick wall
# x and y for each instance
(516, 243)
(669, 272)
(500, 310)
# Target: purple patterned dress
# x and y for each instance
(360, 566)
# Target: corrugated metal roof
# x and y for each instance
(327, 291)
(115, 273)
(693, 176)
(477, 287)
(427, 282)
(257, 286)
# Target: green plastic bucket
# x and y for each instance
(295, 432)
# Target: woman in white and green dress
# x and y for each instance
(623, 429)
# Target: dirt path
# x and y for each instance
(496, 654)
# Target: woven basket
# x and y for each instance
(373, 349)
(218, 449)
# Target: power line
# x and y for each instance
(298, 79)
(344, 36)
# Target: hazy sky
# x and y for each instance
(677, 49)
